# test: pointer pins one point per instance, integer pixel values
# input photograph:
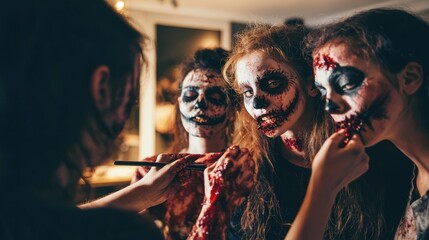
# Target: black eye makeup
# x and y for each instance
(216, 95)
(189, 94)
(346, 80)
(273, 82)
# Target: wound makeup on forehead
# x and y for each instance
(346, 80)
(274, 81)
(324, 62)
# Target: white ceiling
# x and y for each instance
(313, 11)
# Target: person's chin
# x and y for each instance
(369, 138)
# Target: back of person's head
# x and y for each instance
(49, 51)
(206, 59)
(390, 37)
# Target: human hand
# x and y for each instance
(159, 183)
(227, 182)
(230, 178)
(336, 165)
(142, 171)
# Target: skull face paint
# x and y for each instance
(271, 91)
(356, 89)
(203, 103)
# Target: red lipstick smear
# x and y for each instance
(351, 126)
(324, 62)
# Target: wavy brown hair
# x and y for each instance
(282, 43)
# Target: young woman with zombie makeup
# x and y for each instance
(372, 69)
(205, 113)
(284, 124)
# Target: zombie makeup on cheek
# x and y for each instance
(355, 123)
(274, 82)
(346, 80)
(275, 118)
(377, 110)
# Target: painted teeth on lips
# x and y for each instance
(268, 119)
(200, 119)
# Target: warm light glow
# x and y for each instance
(209, 42)
(119, 5)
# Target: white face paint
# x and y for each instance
(203, 103)
(271, 91)
(357, 89)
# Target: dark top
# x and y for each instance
(290, 185)
(384, 187)
(28, 217)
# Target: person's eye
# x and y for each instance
(348, 86)
(272, 84)
(189, 95)
(349, 79)
(216, 96)
(248, 93)
(348, 83)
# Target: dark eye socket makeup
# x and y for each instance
(216, 95)
(273, 82)
(346, 80)
(189, 93)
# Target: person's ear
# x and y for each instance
(100, 88)
(411, 78)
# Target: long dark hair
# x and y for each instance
(390, 38)
(47, 61)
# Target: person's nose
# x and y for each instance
(201, 103)
(334, 104)
(260, 102)
(331, 106)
